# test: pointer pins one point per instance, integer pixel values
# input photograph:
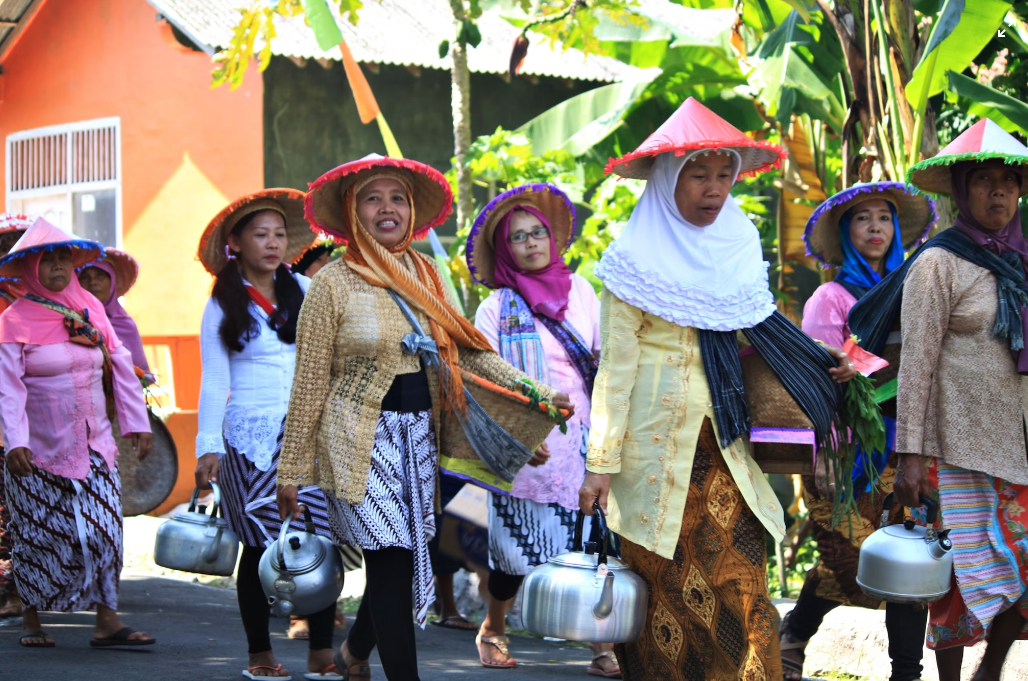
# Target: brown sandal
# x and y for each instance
(353, 672)
(596, 670)
(501, 643)
(38, 634)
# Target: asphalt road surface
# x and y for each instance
(200, 638)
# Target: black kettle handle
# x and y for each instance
(308, 521)
(930, 505)
(579, 526)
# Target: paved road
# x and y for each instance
(200, 638)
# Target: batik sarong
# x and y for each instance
(986, 517)
(67, 538)
(7, 586)
(398, 509)
(709, 614)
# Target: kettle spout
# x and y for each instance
(605, 603)
(941, 546)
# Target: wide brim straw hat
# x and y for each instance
(432, 196)
(10, 222)
(126, 268)
(43, 236)
(694, 126)
(981, 142)
(914, 210)
(546, 198)
(215, 238)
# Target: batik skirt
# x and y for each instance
(525, 533)
(709, 613)
(250, 507)
(834, 576)
(986, 517)
(398, 509)
(67, 538)
(7, 586)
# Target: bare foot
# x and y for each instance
(320, 660)
(299, 629)
(266, 659)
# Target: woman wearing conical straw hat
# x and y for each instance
(384, 361)
(60, 360)
(961, 403)
(667, 450)
(544, 320)
(864, 231)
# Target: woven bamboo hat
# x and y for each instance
(982, 141)
(43, 236)
(432, 196)
(914, 210)
(11, 225)
(126, 268)
(694, 126)
(287, 201)
(546, 198)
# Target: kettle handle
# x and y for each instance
(308, 526)
(931, 506)
(579, 526)
(214, 506)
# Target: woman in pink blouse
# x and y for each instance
(545, 321)
(864, 231)
(60, 361)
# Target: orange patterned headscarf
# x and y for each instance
(423, 288)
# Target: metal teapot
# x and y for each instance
(301, 573)
(585, 595)
(906, 563)
(197, 542)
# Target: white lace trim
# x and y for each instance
(686, 306)
(251, 432)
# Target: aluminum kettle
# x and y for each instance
(301, 573)
(585, 595)
(197, 542)
(906, 563)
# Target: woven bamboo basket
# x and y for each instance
(771, 406)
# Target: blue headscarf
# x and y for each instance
(855, 269)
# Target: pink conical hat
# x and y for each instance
(44, 236)
(982, 141)
(694, 126)
(13, 223)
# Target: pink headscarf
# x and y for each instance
(121, 321)
(546, 291)
(28, 322)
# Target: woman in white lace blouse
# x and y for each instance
(248, 348)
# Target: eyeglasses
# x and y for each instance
(539, 234)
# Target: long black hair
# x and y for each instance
(238, 326)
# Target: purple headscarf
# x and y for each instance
(1008, 239)
(123, 324)
(546, 291)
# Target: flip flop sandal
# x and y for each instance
(249, 674)
(326, 674)
(353, 673)
(792, 667)
(598, 671)
(455, 622)
(121, 638)
(501, 643)
(47, 641)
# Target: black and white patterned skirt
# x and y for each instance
(249, 502)
(67, 537)
(525, 533)
(398, 509)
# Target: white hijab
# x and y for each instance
(712, 277)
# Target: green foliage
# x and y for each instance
(1009, 113)
(572, 23)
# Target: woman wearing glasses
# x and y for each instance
(543, 320)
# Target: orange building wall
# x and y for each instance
(186, 151)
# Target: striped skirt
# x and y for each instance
(398, 509)
(986, 517)
(709, 613)
(249, 502)
(6, 541)
(67, 538)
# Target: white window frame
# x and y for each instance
(68, 189)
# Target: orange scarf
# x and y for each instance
(423, 288)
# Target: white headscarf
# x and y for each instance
(712, 277)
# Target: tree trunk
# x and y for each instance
(460, 104)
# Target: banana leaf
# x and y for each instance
(1009, 113)
(960, 32)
